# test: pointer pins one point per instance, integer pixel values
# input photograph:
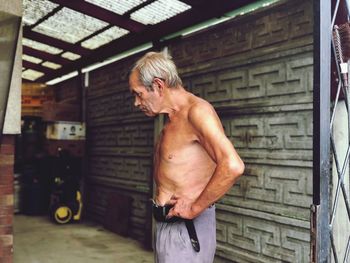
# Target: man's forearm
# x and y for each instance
(222, 180)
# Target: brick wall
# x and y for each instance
(6, 198)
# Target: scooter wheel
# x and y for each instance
(63, 214)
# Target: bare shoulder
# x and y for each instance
(199, 109)
(202, 115)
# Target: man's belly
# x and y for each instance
(187, 180)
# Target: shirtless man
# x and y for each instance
(195, 163)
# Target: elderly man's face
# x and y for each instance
(147, 101)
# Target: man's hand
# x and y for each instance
(182, 207)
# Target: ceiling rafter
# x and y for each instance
(134, 9)
(95, 33)
(45, 56)
(209, 9)
(102, 14)
(74, 48)
(194, 3)
(37, 67)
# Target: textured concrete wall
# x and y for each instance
(258, 73)
(13, 7)
(120, 141)
(68, 91)
(12, 123)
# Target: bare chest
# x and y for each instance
(177, 140)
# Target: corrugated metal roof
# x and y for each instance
(40, 46)
(61, 36)
(119, 7)
(105, 37)
(159, 11)
(34, 10)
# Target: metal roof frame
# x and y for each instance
(201, 10)
(102, 14)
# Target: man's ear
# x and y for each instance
(160, 84)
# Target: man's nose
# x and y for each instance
(137, 101)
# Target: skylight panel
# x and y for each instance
(40, 46)
(104, 37)
(159, 11)
(51, 65)
(31, 74)
(70, 55)
(69, 25)
(120, 7)
(34, 10)
(31, 59)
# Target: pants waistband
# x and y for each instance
(160, 213)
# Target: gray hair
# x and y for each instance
(157, 65)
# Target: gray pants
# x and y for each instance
(173, 245)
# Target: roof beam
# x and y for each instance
(94, 34)
(28, 81)
(45, 56)
(37, 67)
(134, 9)
(102, 14)
(194, 3)
(28, 33)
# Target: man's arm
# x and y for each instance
(211, 136)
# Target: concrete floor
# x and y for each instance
(37, 240)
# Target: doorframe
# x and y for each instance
(320, 241)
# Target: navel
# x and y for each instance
(170, 156)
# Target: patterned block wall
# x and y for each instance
(244, 236)
(68, 91)
(258, 83)
(120, 148)
(258, 73)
